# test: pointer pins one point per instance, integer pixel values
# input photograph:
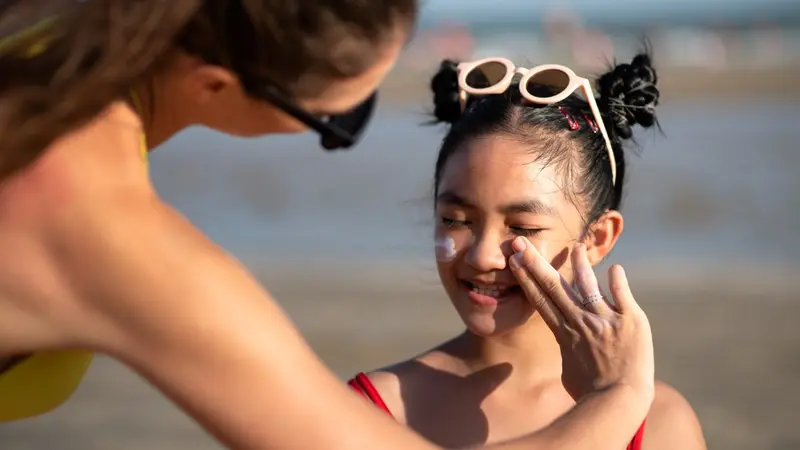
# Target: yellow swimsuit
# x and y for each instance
(43, 381)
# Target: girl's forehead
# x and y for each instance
(501, 167)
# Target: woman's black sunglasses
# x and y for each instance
(339, 131)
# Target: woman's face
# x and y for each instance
(213, 97)
(490, 192)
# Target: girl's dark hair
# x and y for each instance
(63, 61)
(628, 97)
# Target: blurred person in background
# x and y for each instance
(541, 173)
(96, 261)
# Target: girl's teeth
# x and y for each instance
(490, 291)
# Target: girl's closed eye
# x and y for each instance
(452, 223)
(527, 232)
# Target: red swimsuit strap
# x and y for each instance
(636, 442)
(362, 384)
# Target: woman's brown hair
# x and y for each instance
(63, 61)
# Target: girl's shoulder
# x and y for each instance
(405, 379)
(382, 388)
(672, 422)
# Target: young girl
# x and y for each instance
(525, 159)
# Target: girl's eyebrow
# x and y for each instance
(529, 206)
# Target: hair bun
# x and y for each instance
(444, 85)
(629, 95)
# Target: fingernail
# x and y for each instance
(516, 260)
(519, 244)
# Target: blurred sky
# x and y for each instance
(617, 10)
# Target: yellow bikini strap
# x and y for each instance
(137, 105)
(34, 40)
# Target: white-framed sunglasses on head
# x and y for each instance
(498, 74)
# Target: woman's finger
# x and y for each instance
(547, 309)
(551, 286)
(620, 290)
(586, 282)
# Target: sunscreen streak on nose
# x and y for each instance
(445, 248)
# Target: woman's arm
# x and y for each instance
(599, 420)
(205, 332)
(148, 288)
(101, 263)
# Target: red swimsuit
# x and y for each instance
(360, 383)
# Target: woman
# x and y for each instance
(95, 261)
(513, 168)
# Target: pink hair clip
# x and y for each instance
(573, 124)
(591, 123)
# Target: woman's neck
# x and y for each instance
(160, 120)
(531, 350)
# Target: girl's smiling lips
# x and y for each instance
(489, 294)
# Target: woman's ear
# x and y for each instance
(202, 81)
(206, 81)
(602, 235)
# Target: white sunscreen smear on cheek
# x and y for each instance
(445, 248)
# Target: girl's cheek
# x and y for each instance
(541, 247)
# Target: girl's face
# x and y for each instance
(490, 192)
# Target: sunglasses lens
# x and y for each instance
(548, 83)
(349, 126)
(486, 75)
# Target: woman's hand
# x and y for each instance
(603, 345)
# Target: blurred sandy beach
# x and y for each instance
(734, 356)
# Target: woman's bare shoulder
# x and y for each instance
(96, 161)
